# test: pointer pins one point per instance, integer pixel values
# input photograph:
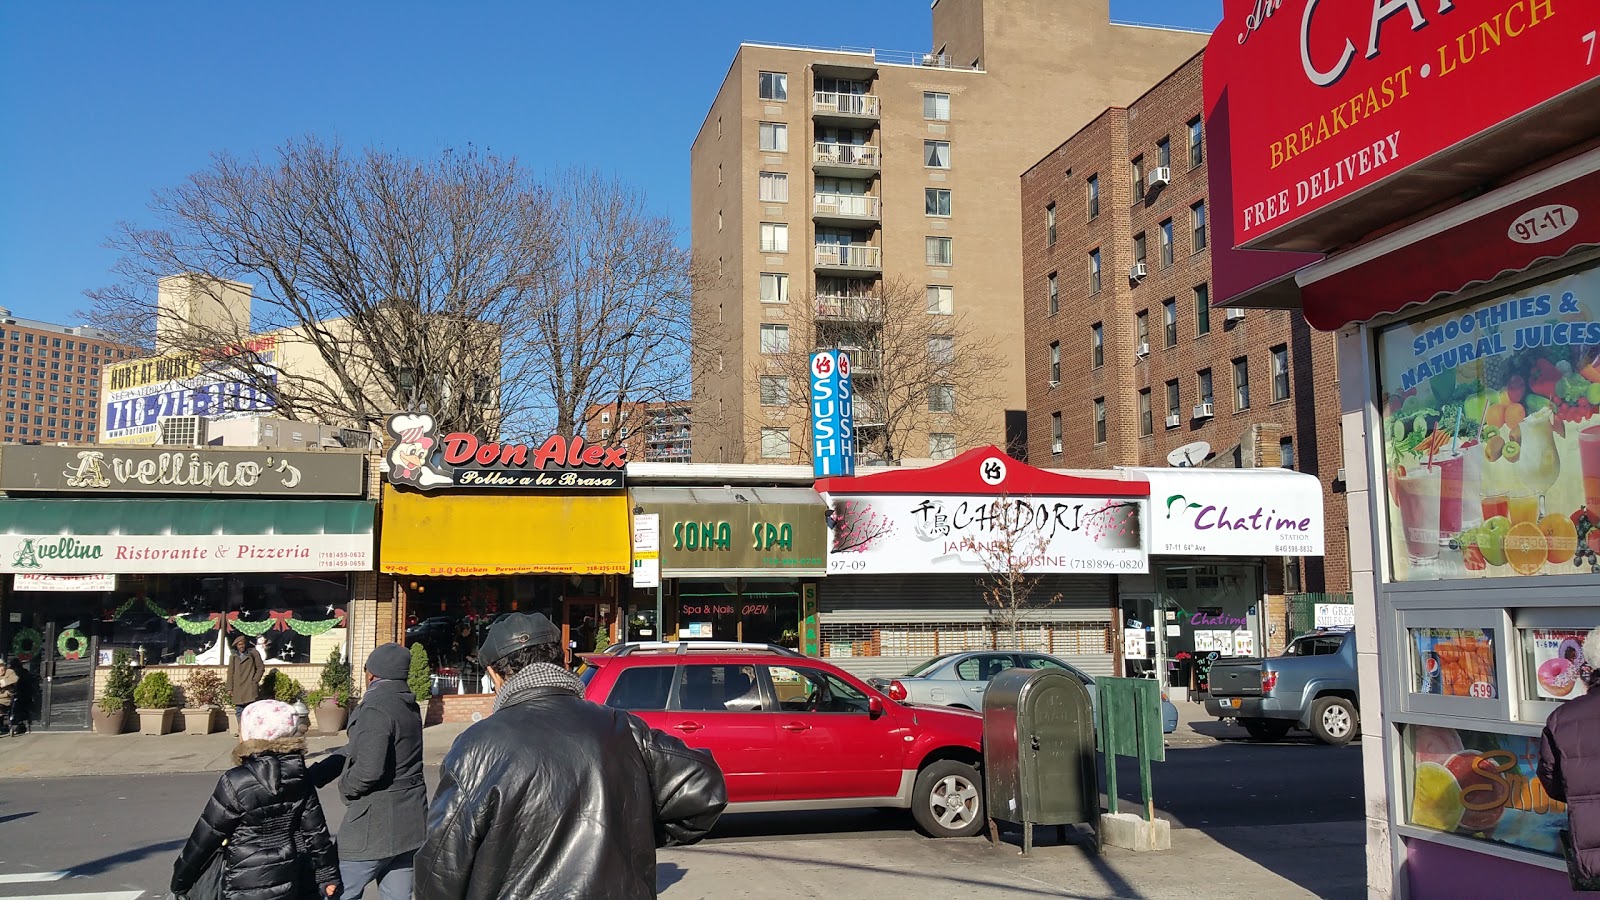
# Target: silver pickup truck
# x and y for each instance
(1311, 686)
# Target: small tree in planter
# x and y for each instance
(420, 679)
(334, 695)
(202, 697)
(111, 711)
(157, 702)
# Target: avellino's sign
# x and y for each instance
(119, 470)
(424, 460)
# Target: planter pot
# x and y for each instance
(302, 714)
(201, 720)
(331, 717)
(157, 721)
(110, 723)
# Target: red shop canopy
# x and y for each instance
(980, 471)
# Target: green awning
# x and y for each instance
(86, 517)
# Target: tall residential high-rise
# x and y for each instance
(820, 177)
(652, 432)
(53, 379)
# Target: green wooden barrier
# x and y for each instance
(1130, 725)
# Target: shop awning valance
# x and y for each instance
(488, 534)
(723, 532)
(184, 536)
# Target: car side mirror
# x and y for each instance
(875, 706)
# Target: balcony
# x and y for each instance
(845, 209)
(867, 414)
(858, 259)
(827, 106)
(849, 307)
(863, 361)
(845, 160)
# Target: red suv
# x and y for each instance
(792, 732)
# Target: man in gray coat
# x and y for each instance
(382, 782)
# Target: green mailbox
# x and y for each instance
(1038, 752)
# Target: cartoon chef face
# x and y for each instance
(412, 455)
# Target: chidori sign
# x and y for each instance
(117, 470)
(423, 459)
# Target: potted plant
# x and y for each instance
(284, 689)
(157, 702)
(202, 697)
(111, 710)
(420, 680)
(333, 696)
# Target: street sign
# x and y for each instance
(647, 550)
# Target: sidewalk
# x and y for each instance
(59, 754)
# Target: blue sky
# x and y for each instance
(103, 103)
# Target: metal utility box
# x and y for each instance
(1039, 757)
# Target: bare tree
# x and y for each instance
(1008, 552)
(917, 369)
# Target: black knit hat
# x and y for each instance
(391, 661)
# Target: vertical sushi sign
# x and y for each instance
(833, 443)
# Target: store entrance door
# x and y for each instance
(65, 679)
(574, 627)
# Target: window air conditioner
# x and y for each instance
(1160, 176)
(1234, 314)
(1205, 410)
(1138, 272)
(1174, 421)
(182, 431)
(1144, 348)
(1055, 384)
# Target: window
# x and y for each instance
(1100, 420)
(942, 398)
(1197, 220)
(1138, 248)
(642, 688)
(774, 237)
(941, 446)
(774, 443)
(1166, 243)
(1147, 425)
(1164, 153)
(1055, 362)
(1241, 384)
(774, 287)
(1094, 196)
(1050, 225)
(936, 201)
(985, 667)
(774, 187)
(814, 691)
(1202, 310)
(774, 86)
(1138, 178)
(1169, 321)
(1173, 401)
(1286, 452)
(1202, 380)
(942, 349)
(775, 137)
(1097, 344)
(941, 299)
(936, 106)
(1197, 150)
(774, 390)
(936, 154)
(774, 339)
(1141, 330)
(1052, 293)
(1280, 372)
(715, 688)
(1094, 271)
(1055, 432)
(941, 251)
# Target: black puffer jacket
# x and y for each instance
(556, 797)
(1569, 769)
(266, 808)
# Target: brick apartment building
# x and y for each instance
(652, 432)
(1126, 361)
(53, 379)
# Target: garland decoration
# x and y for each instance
(151, 605)
(307, 627)
(193, 626)
(253, 629)
(72, 644)
(122, 610)
(25, 643)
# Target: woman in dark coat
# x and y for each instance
(1569, 768)
(266, 810)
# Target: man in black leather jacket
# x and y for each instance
(555, 797)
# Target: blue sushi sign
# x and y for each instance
(833, 439)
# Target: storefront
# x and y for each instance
(168, 554)
(919, 560)
(473, 530)
(1460, 218)
(736, 563)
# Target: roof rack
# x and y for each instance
(684, 647)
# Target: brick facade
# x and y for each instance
(1306, 422)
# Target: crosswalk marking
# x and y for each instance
(38, 878)
(31, 877)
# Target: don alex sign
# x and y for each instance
(1326, 99)
(425, 460)
(117, 470)
(701, 537)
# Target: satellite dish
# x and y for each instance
(1189, 455)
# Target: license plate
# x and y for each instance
(1231, 702)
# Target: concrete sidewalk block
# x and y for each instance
(1130, 832)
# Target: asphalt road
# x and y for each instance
(116, 837)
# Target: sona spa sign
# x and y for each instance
(423, 459)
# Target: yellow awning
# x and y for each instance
(493, 534)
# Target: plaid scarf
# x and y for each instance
(538, 675)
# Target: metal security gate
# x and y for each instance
(885, 625)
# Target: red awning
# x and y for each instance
(983, 470)
(1522, 230)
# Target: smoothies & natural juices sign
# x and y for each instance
(1480, 785)
(1491, 435)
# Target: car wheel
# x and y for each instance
(1266, 729)
(1334, 721)
(947, 800)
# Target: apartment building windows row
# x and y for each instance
(1202, 309)
(1169, 321)
(1052, 293)
(774, 86)
(1147, 425)
(1100, 420)
(942, 398)
(1094, 271)
(774, 287)
(1174, 405)
(1136, 168)
(1197, 222)
(1055, 363)
(1097, 345)
(1241, 384)
(936, 154)
(1164, 153)
(1139, 249)
(774, 237)
(774, 187)
(1197, 150)
(774, 443)
(937, 201)
(941, 446)
(1050, 225)
(1141, 332)
(940, 251)
(942, 350)
(1280, 373)
(1202, 386)
(774, 137)
(935, 106)
(941, 300)
(774, 339)
(1055, 433)
(1094, 197)
(1166, 244)
(774, 390)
